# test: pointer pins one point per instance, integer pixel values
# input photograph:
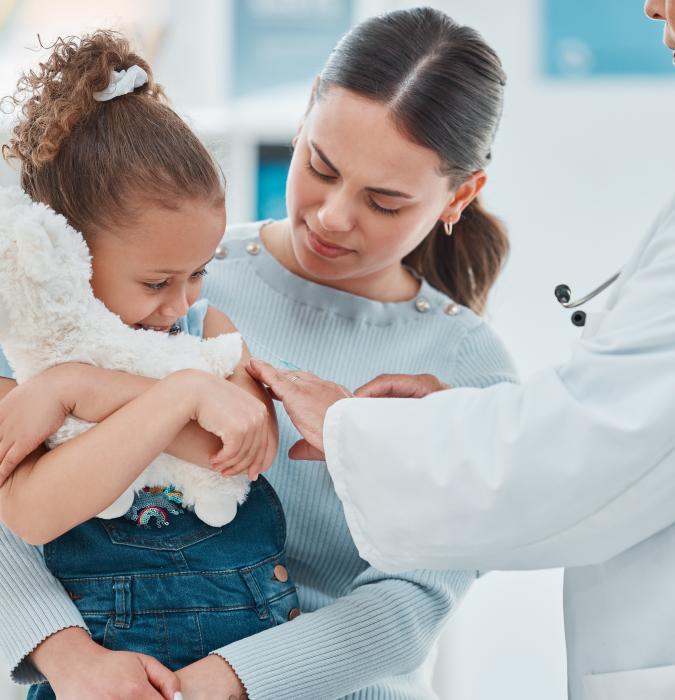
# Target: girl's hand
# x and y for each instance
(29, 414)
(238, 419)
(79, 669)
(211, 678)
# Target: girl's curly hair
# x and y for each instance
(83, 157)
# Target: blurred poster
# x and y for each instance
(588, 38)
(273, 162)
(277, 42)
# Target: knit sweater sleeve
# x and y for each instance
(385, 627)
(387, 624)
(34, 605)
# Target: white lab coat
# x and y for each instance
(574, 468)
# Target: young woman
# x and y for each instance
(382, 266)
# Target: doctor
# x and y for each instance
(574, 468)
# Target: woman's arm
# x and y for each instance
(58, 484)
(385, 627)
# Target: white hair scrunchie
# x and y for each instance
(122, 82)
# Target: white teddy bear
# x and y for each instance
(49, 315)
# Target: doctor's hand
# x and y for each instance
(401, 386)
(306, 399)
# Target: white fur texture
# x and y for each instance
(49, 315)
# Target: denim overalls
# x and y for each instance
(174, 587)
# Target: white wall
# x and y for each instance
(579, 172)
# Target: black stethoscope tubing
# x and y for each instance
(564, 296)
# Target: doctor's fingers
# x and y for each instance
(401, 386)
(303, 451)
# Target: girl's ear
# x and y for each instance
(463, 196)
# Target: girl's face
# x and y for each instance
(360, 194)
(664, 10)
(149, 273)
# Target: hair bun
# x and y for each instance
(59, 95)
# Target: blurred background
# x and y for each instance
(582, 164)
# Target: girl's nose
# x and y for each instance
(176, 305)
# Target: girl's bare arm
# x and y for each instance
(53, 491)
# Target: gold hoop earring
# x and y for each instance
(447, 227)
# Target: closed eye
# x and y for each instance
(321, 176)
(156, 285)
(380, 209)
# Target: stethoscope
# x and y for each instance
(563, 294)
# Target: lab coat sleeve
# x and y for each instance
(569, 468)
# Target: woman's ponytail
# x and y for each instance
(466, 264)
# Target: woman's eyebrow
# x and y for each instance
(374, 190)
(324, 158)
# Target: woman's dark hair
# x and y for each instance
(92, 161)
(444, 86)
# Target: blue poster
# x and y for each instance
(277, 42)
(273, 162)
(587, 38)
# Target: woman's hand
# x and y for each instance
(79, 669)
(211, 678)
(401, 386)
(29, 414)
(238, 419)
(306, 399)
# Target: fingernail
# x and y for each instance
(178, 696)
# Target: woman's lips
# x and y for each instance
(324, 248)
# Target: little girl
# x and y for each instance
(97, 142)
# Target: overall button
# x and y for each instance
(221, 252)
(253, 248)
(452, 309)
(295, 612)
(280, 573)
(422, 305)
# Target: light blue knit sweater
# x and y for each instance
(363, 634)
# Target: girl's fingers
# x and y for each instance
(8, 462)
